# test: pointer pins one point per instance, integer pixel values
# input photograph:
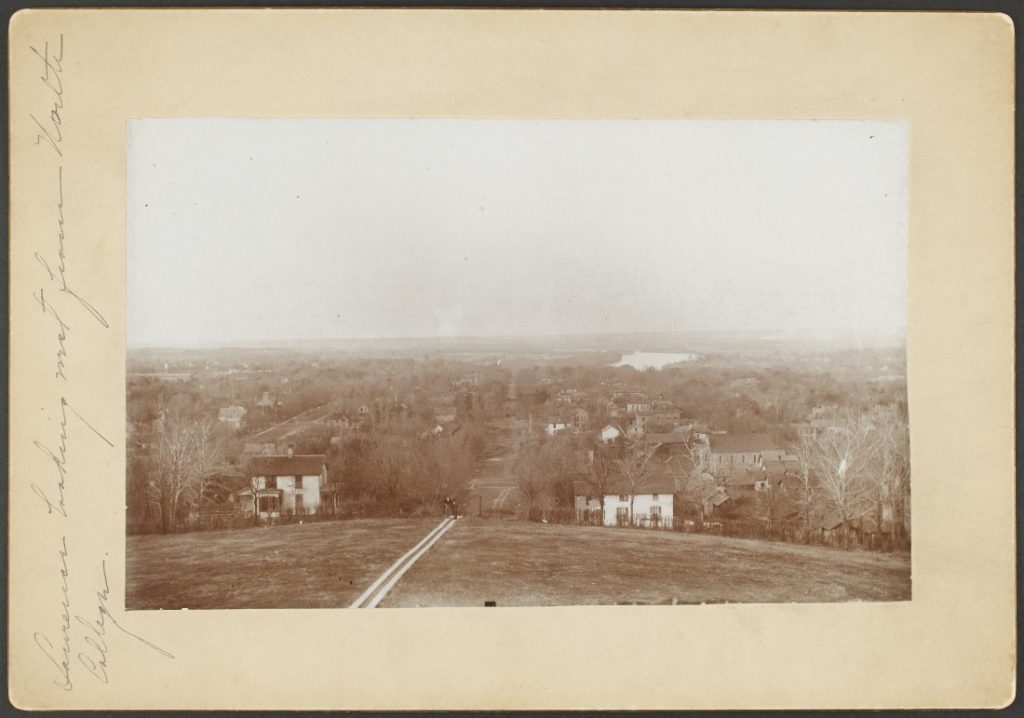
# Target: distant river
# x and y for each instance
(653, 360)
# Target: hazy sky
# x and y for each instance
(279, 229)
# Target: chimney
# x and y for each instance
(291, 449)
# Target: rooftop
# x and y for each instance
(658, 480)
(298, 465)
(741, 443)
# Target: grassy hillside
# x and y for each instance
(312, 565)
(520, 564)
(327, 565)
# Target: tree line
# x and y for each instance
(845, 479)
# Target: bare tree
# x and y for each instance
(170, 472)
(448, 464)
(804, 450)
(685, 468)
(528, 468)
(774, 503)
(600, 477)
(560, 467)
(889, 476)
(391, 467)
(207, 459)
(188, 454)
(842, 462)
(634, 470)
(254, 485)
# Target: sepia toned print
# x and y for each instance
(947, 76)
(400, 363)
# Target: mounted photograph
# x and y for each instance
(493, 362)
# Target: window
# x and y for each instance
(298, 482)
(655, 513)
(622, 498)
(655, 497)
(299, 508)
(622, 515)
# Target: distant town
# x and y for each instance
(217, 437)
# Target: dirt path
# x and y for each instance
(372, 596)
(494, 487)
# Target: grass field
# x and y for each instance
(312, 565)
(328, 564)
(520, 564)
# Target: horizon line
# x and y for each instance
(768, 334)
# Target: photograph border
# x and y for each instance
(973, 601)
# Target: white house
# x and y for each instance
(287, 484)
(651, 506)
(637, 406)
(555, 427)
(610, 433)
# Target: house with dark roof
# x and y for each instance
(712, 497)
(699, 496)
(288, 484)
(735, 454)
(650, 505)
(746, 479)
